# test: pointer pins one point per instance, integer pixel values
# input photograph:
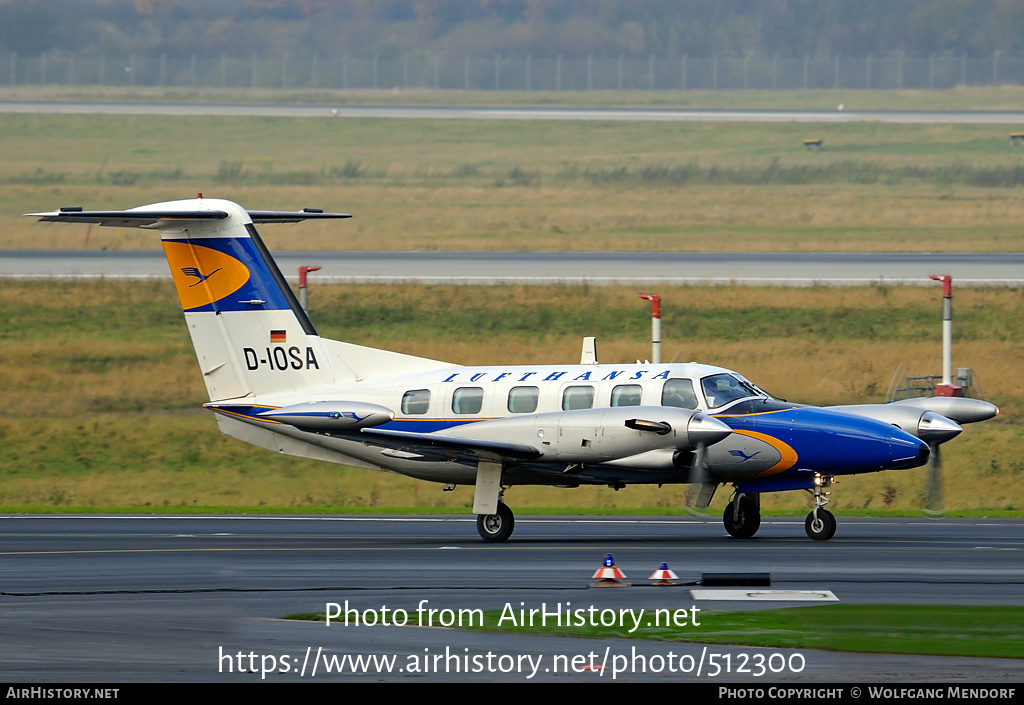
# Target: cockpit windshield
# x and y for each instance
(722, 389)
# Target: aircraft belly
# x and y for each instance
(288, 443)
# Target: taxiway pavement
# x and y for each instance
(159, 598)
(771, 268)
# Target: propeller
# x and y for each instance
(933, 500)
(702, 432)
(698, 494)
(935, 429)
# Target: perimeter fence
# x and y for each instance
(517, 73)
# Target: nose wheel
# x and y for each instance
(820, 524)
(495, 528)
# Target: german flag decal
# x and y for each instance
(278, 336)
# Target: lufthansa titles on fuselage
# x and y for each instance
(557, 376)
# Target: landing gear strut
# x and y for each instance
(742, 515)
(820, 524)
(496, 528)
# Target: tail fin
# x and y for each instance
(249, 332)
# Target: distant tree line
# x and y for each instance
(541, 28)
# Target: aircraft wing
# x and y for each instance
(464, 449)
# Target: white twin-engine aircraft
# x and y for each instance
(274, 382)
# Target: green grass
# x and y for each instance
(103, 396)
(115, 150)
(990, 632)
(897, 629)
(523, 185)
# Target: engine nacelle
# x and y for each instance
(331, 415)
(960, 409)
(601, 435)
(929, 426)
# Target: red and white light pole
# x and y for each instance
(947, 388)
(655, 300)
(303, 294)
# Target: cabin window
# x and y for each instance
(468, 400)
(416, 401)
(578, 397)
(523, 400)
(679, 392)
(627, 395)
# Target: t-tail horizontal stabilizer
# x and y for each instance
(159, 215)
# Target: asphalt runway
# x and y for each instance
(143, 599)
(413, 112)
(771, 268)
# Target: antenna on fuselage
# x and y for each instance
(588, 356)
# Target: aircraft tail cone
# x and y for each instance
(663, 575)
(608, 575)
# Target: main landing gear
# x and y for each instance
(820, 524)
(742, 515)
(496, 528)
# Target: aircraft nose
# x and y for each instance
(906, 458)
(923, 452)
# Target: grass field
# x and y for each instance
(524, 185)
(992, 632)
(102, 392)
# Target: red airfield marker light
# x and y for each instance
(664, 575)
(608, 575)
(655, 300)
(303, 293)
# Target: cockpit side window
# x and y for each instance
(679, 392)
(723, 388)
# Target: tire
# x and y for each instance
(495, 528)
(823, 529)
(749, 519)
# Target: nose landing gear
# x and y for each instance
(820, 524)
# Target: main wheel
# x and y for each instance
(498, 527)
(744, 523)
(821, 528)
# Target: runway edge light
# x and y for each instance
(608, 575)
(663, 575)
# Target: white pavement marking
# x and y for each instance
(766, 595)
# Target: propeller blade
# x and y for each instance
(933, 500)
(701, 489)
